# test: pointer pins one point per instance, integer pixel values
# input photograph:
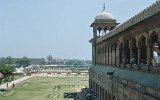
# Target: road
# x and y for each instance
(10, 84)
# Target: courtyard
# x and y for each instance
(45, 88)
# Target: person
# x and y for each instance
(132, 61)
(7, 85)
(13, 85)
(155, 57)
(153, 62)
(158, 60)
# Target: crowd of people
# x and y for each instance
(155, 60)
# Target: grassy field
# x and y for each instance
(45, 88)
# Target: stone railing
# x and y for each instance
(144, 14)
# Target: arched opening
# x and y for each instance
(120, 53)
(134, 50)
(115, 57)
(143, 50)
(155, 51)
(127, 52)
(99, 31)
(106, 30)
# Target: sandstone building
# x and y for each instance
(113, 76)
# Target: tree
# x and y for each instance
(6, 71)
(3, 61)
(9, 60)
(24, 62)
(43, 62)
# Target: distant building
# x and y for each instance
(50, 58)
(113, 76)
(36, 61)
(54, 61)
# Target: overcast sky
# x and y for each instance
(37, 28)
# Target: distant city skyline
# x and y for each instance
(38, 28)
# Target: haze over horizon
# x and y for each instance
(38, 28)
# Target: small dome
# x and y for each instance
(104, 15)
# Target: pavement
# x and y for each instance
(12, 83)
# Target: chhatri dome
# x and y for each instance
(103, 23)
(104, 15)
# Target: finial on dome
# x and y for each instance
(104, 7)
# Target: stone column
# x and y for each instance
(90, 83)
(113, 57)
(105, 57)
(117, 57)
(94, 31)
(109, 57)
(96, 90)
(123, 58)
(139, 55)
(131, 53)
(149, 54)
(103, 94)
(100, 93)
(131, 56)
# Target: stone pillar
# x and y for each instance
(109, 56)
(131, 56)
(104, 95)
(105, 57)
(131, 53)
(148, 54)
(101, 58)
(123, 58)
(113, 57)
(94, 54)
(94, 31)
(139, 55)
(117, 57)
(100, 93)
(96, 90)
(90, 83)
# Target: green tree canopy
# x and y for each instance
(9, 60)
(24, 62)
(6, 71)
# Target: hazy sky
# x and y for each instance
(37, 28)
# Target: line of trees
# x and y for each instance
(8, 66)
(77, 62)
